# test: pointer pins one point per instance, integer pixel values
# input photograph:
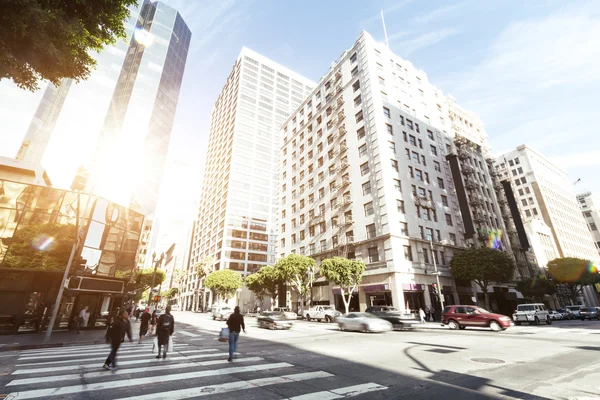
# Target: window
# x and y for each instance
(524, 202)
(360, 133)
(407, 151)
(405, 136)
(520, 170)
(369, 209)
(389, 129)
(362, 150)
(400, 206)
(321, 193)
(409, 123)
(448, 219)
(395, 165)
(408, 253)
(381, 81)
(398, 185)
(520, 192)
(366, 188)
(358, 116)
(433, 150)
(440, 183)
(364, 169)
(402, 120)
(411, 171)
(429, 134)
(523, 180)
(392, 147)
(320, 162)
(354, 71)
(413, 140)
(373, 254)
(386, 112)
(429, 234)
(356, 85)
(593, 226)
(404, 228)
(353, 58)
(528, 213)
(444, 201)
(415, 157)
(437, 167)
(510, 162)
(419, 174)
(420, 144)
(357, 101)
(453, 239)
(371, 232)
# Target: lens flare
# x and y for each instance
(43, 242)
(143, 37)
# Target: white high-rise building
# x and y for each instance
(364, 174)
(590, 207)
(236, 223)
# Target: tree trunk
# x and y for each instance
(346, 302)
(487, 299)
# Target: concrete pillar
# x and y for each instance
(362, 300)
(427, 296)
(397, 292)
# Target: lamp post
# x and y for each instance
(437, 276)
(155, 262)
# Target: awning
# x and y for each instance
(413, 287)
(97, 285)
(367, 288)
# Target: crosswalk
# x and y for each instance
(187, 372)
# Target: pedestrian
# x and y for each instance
(235, 323)
(115, 335)
(81, 318)
(432, 314)
(153, 321)
(422, 315)
(145, 319)
(164, 330)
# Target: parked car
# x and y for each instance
(589, 313)
(273, 320)
(566, 313)
(459, 317)
(175, 307)
(326, 313)
(555, 315)
(289, 314)
(574, 310)
(534, 313)
(364, 322)
(390, 314)
(221, 312)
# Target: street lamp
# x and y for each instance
(155, 262)
(437, 274)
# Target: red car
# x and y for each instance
(462, 316)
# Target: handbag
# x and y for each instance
(224, 335)
(155, 343)
(170, 344)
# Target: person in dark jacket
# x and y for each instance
(115, 335)
(235, 323)
(164, 329)
(153, 321)
(145, 319)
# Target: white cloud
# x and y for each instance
(586, 158)
(440, 13)
(408, 46)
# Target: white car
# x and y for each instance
(175, 307)
(533, 314)
(555, 315)
(574, 310)
(289, 314)
(325, 313)
(364, 322)
(221, 312)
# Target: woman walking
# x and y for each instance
(153, 321)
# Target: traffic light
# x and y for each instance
(434, 287)
(79, 266)
(157, 298)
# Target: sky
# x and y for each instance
(529, 69)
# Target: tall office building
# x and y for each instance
(365, 174)
(590, 207)
(237, 216)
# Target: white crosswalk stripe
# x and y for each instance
(189, 372)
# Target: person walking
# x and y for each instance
(432, 314)
(145, 320)
(81, 318)
(115, 335)
(153, 321)
(164, 330)
(422, 315)
(235, 323)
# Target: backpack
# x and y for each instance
(166, 324)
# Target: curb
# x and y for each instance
(48, 345)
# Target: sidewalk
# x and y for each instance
(26, 341)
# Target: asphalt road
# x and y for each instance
(316, 361)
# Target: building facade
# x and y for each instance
(365, 174)
(236, 225)
(590, 207)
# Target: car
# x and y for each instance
(566, 313)
(289, 314)
(273, 320)
(363, 322)
(534, 313)
(460, 317)
(175, 307)
(221, 312)
(390, 314)
(321, 313)
(589, 313)
(574, 310)
(555, 315)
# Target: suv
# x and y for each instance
(462, 316)
(328, 313)
(589, 313)
(535, 313)
(221, 312)
(574, 310)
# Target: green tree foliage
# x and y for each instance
(299, 272)
(143, 281)
(572, 274)
(345, 273)
(224, 282)
(483, 266)
(52, 40)
(170, 294)
(536, 288)
(26, 248)
(265, 282)
(204, 267)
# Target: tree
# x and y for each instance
(265, 282)
(224, 282)
(204, 267)
(483, 266)
(299, 272)
(54, 40)
(143, 281)
(572, 274)
(536, 288)
(345, 273)
(169, 294)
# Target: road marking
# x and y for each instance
(143, 353)
(72, 350)
(188, 333)
(124, 371)
(64, 390)
(230, 387)
(132, 362)
(341, 393)
(89, 353)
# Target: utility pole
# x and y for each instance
(437, 276)
(154, 274)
